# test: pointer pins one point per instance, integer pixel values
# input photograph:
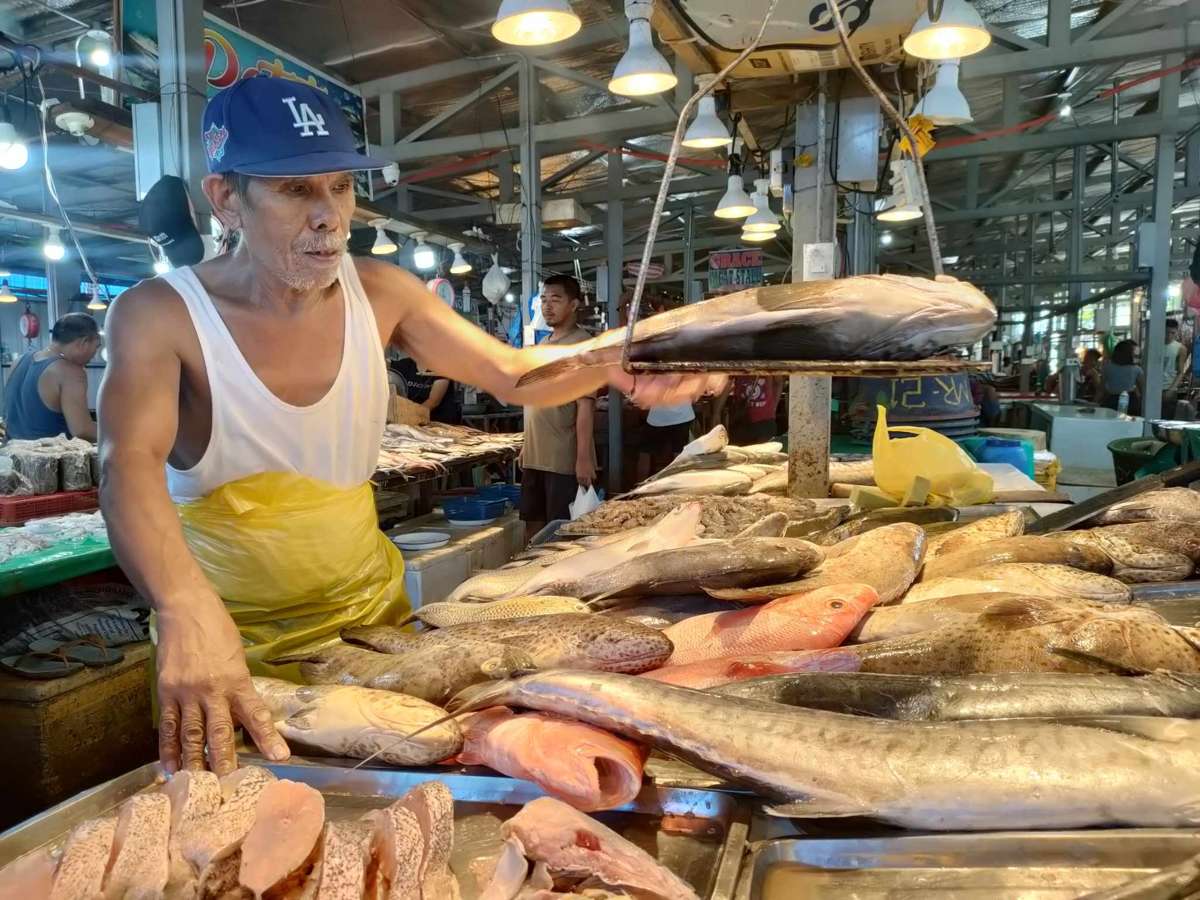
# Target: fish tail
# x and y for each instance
(551, 370)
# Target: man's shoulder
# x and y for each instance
(576, 335)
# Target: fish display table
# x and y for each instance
(55, 564)
(698, 834)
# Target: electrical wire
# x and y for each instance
(669, 170)
(935, 249)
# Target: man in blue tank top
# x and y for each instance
(46, 394)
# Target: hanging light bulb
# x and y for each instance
(959, 31)
(736, 203)
(383, 243)
(534, 23)
(757, 237)
(14, 152)
(762, 220)
(460, 266)
(96, 303)
(707, 130)
(94, 46)
(424, 257)
(886, 239)
(6, 294)
(53, 248)
(902, 205)
(886, 211)
(944, 103)
(642, 70)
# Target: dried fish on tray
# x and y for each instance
(697, 835)
(722, 517)
(416, 451)
(1054, 865)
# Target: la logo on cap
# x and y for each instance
(303, 118)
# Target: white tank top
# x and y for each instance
(335, 439)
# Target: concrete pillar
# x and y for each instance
(812, 222)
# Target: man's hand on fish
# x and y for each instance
(204, 688)
(665, 390)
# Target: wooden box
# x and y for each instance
(69, 734)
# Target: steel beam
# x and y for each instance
(571, 168)
(461, 104)
(695, 185)
(1177, 38)
(531, 186)
(181, 105)
(608, 31)
(1116, 12)
(620, 124)
(598, 253)
(1136, 127)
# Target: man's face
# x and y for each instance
(1172, 334)
(297, 228)
(558, 307)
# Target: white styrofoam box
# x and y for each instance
(431, 575)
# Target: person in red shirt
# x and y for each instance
(754, 408)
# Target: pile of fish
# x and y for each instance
(414, 451)
(251, 835)
(862, 672)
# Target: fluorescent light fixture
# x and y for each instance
(424, 257)
(383, 243)
(13, 151)
(757, 237)
(460, 266)
(1175, 291)
(96, 303)
(534, 23)
(53, 248)
(949, 260)
(944, 103)
(886, 239)
(762, 218)
(642, 70)
(735, 204)
(510, 297)
(959, 31)
(6, 294)
(707, 130)
(1064, 111)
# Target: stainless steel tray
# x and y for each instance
(1052, 865)
(698, 834)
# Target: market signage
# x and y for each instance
(733, 270)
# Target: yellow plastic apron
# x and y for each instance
(296, 560)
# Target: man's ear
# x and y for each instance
(225, 202)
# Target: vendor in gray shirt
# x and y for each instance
(1121, 374)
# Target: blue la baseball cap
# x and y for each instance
(276, 127)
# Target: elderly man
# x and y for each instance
(259, 373)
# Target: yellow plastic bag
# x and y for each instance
(295, 560)
(954, 479)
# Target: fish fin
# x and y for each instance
(1189, 634)
(1154, 728)
(1091, 659)
(815, 808)
(293, 658)
(556, 369)
(1016, 613)
(1183, 679)
(299, 719)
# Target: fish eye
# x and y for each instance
(836, 604)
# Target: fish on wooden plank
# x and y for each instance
(866, 317)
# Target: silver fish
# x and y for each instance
(567, 640)
(949, 698)
(1178, 882)
(358, 722)
(870, 317)
(920, 775)
(697, 481)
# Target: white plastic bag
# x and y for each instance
(495, 282)
(586, 500)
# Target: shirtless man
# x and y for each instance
(270, 358)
